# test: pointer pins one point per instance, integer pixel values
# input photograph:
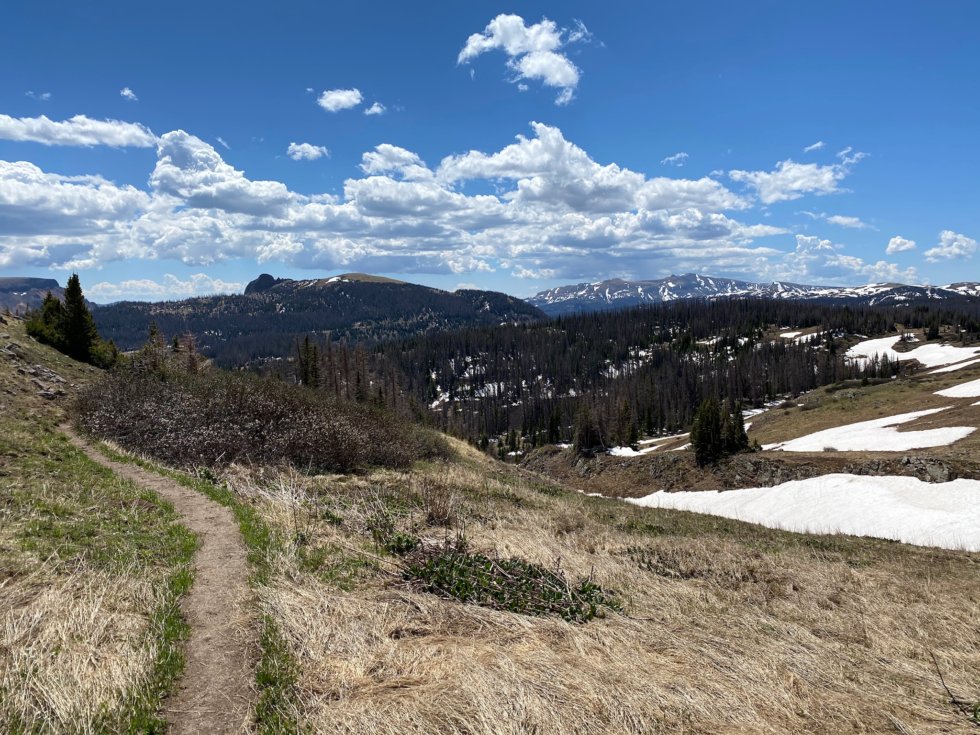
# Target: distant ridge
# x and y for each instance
(618, 293)
(273, 313)
(21, 294)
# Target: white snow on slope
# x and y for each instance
(963, 390)
(789, 335)
(877, 435)
(957, 366)
(930, 355)
(630, 452)
(900, 508)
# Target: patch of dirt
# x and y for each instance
(215, 692)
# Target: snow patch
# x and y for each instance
(930, 355)
(899, 508)
(877, 435)
(963, 390)
(957, 366)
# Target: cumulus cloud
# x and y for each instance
(335, 100)
(551, 171)
(376, 109)
(306, 151)
(899, 244)
(193, 171)
(540, 205)
(171, 287)
(534, 51)
(819, 261)
(78, 130)
(677, 159)
(128, 94)
(814, 146)
(951, 245)
(791, 180)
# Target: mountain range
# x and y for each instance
(618, 293)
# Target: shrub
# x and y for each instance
(216, 418)
(514, 585)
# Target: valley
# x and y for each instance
(404, 580)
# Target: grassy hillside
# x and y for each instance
(725, 627)
(380, 589)
(90, 567)
(416, 599)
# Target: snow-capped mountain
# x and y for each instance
(618, 293)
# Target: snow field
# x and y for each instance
(930, 355)
(877, 435)
(899, 508)
(963, 390)
(957, 366)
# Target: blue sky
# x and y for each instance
(165, 152)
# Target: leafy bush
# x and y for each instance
(214, 418)
(514, 585)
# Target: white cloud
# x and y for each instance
(814, 146)
(334, 100)
(899, 244)
(551, 171)
(306, 151)
(192, 170)
(850, 156)
(376, 109)
(127, 93)
(40, 96)
(951, 245)
(171, 287)
(534, 51)
(677, 159)
(223, 143)
(791, 180)
(539, 205)
(390, 159)
(819, 261)
(78, 130)
(854, 223)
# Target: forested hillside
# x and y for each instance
(642, 370)
(265, 322)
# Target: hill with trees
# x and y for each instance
(265, 322)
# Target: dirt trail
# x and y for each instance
(214, 694)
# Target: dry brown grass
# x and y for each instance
(87, 570)
(727, 627)
(75, 646)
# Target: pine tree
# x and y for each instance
(706, 432)
(81, 336)
(47, 324)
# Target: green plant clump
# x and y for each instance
(514, 585)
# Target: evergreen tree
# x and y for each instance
(81, 336)
(69, 328)
(47, 324)
(706, 432)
